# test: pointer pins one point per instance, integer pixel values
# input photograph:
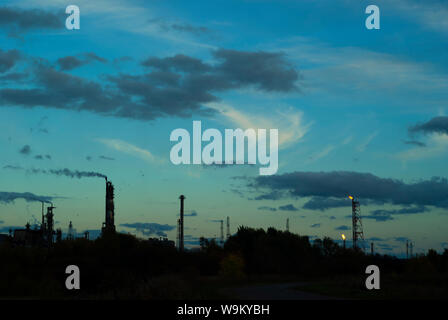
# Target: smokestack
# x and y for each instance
(222, 232)
(181, 240)
(109, 224)
(228, 228)
(42, 226)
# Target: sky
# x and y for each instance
(358, 111)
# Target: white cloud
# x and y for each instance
(321, 154)
(125, 147)
(354, 71)
(361, 147)
(288, 121)
(121, 15)
(430, 14)
(435, 147)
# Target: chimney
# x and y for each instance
(181, 240)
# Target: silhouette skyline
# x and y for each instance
(359, 112)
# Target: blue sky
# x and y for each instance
(343, 98)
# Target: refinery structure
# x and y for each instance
(46, 235)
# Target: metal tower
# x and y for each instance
(228, 228)
(358, 233)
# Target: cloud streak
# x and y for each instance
(128, 148)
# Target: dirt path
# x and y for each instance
(278, 291)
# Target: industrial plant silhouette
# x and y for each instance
(116, 265)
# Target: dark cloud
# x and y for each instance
(269, 71)
(8, 197)
(406, 210)
(288, 207)
(106, 158)
(339, 184)
(342, 228)
(385, 246)
(375, 239)
(69, 63)
(435, 125)
(122, 59)
(379, 216)
(17, 20)
(61, 90)
(149, 229)
(42, 157)
(191, 240)
(179, 62)
(8, 59)
(185, 27)
(321, 203)
(174, 86)
(316, 225)
(5, 229)
(267, 208)
(385, 215)
(193, 213)
(10, 167)
(415, 143)
(93, 233)
(401, 239)
(179, 27)
(26, 150)
(13, 77)
(72, 62)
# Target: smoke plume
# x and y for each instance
(61, 172)
(8, 197)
